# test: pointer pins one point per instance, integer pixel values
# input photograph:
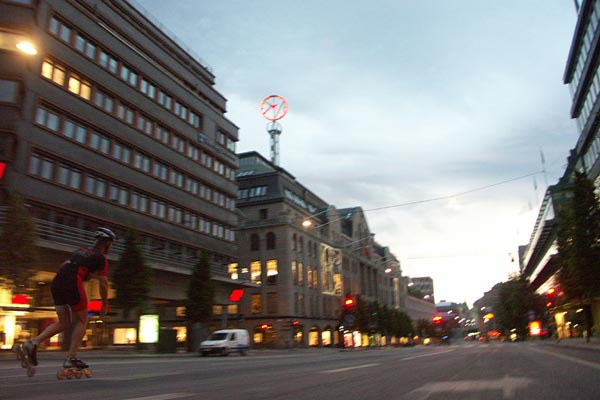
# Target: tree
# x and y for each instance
(424, 328)
(131, 278)
(578, 239)
(200, 296)
(17, 246)
(514, 302)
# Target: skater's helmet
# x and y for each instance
(105, 234)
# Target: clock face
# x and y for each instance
(273, 107)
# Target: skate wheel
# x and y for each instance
(88, 373)
(30, 371)
(61, 374)
(78, 374)
(69, 374)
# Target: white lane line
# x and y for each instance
(333, 371)
(165, 396)
(134, 377)
(568, 358)
(508, 385)
(428, 354)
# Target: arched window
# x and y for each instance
(270, 241)
(294, 244)
(254, 242)
(301, 245)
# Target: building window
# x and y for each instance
(141, 162)
(80, 87)
(232, 270)
(256, 272)
(272, 303)
(272, 272)
(74, 131)
(47, 118)
(104, 101)
(271, 241)
(41, 166)
(95, 186)
(295, 272)
(300, 274)
(159, 170)
(9, 91)
(254, 242)
(69, 177)
(256, 304)
(53, 72)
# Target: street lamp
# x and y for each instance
(15, 41)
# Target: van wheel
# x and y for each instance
(242, 352)
(225, 353)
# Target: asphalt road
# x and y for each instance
(460, 371)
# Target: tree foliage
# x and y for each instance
(131, 278)
(17, 246)
(578, 240)
(515, 300)
(200, 291)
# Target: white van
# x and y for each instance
(226, 341)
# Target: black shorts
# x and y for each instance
(69, 293)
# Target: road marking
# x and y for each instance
(429, 354)
(333, 371)
(508, 385)
(140, 376)
(568, 358)
(165, 396)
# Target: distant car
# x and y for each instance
(226, 341)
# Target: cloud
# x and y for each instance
(397, 102)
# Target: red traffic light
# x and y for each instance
(551, 291)
(349, 302)
(295, 322)
(2, 169)
(438, 319)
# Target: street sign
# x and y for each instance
(349, 319)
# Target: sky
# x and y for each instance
(396, 103)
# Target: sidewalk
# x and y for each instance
(578, 343)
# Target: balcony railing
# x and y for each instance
(53, 235)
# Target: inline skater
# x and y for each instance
(70, 298)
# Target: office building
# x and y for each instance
(304, 256)
(114, 123)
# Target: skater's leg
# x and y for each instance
(64, 321)
(80, 319)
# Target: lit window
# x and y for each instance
(256, 272)
(272, 272)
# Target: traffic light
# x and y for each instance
(295, 323)
(349, 302)
(2, 169)
(438, 319)
(551, 298)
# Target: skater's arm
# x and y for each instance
(103, 293)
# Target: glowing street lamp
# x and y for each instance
(27, 47)
(13, 41)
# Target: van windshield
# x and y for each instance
(218, 336)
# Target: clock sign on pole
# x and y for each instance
(273, 108)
